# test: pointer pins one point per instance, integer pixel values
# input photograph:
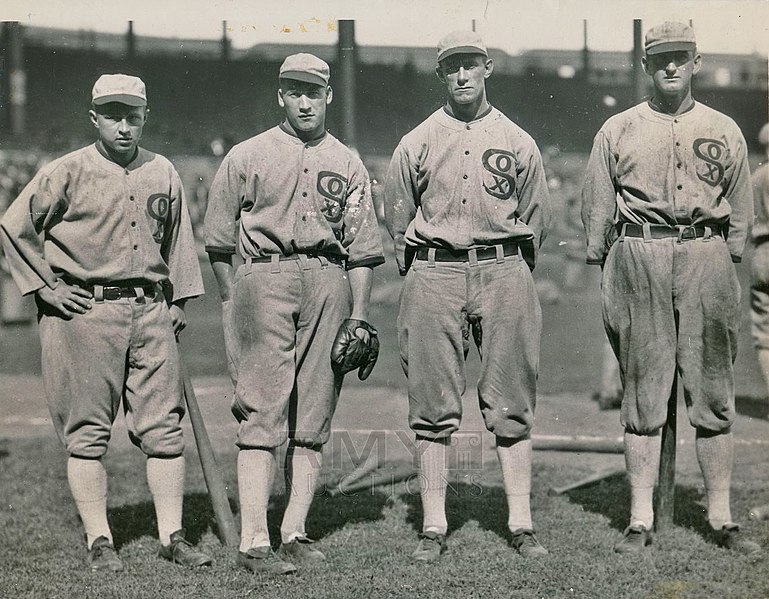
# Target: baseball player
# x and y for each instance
(666, 208)
(295, 204)
(759, 288)
(466, 202)
(103, 240)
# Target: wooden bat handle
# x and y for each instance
(228, 533)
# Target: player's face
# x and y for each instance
(465, 76)
(120, 126)
(305, 106)
(672, 72)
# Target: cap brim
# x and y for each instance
(126, 99)
(671, 47)
(305, 77)
(461, 50)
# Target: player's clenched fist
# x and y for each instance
(68, 300)
(356, 346)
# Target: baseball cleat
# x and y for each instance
(526, 544)
(431, 545)
(102, 556)
(262, 560)
(730, 537)
(635, 539)
(299, 549)
(180, 551)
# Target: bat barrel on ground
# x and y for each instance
(225, 521)
(367, 467)
(588, 480)
(378, 478)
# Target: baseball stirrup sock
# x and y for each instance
(642, 461)
(433, 482)
(88, 485)
(165, 477)
(515, 462)
(716, 455)
(256, 469)
(303, 466)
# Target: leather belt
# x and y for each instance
(281, 257)
(680, 232)
(487, 253)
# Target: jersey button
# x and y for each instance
(304, 194)
(679, 186)
(678, 143)
(133, 223)
(464, 176)
(467, 152)
(306, 170)
(132, 198)
(467, 127)
(464, 200)
(136, 247)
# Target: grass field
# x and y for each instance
(368, 536)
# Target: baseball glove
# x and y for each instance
(349, 352)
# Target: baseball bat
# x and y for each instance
(665, 507)
(228, 533)
(584, 482)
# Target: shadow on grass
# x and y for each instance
(329, 514)
(611, 499)
(484, 504)
(130, 522)
(753, 407)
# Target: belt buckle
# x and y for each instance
(112, 293)
(686, 233)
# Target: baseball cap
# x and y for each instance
(125, 89)
(305, 67)
(461, 42)
(669, 36)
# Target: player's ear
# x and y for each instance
(281, 103)
(645, 64)
(92, 116)
(329, 95)
(439, 73)
(489, 66)
(697, 63)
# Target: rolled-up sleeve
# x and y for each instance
(739, 194)
(400, 202)
(599, 203)
(225, 199)
(361, 229)
(179, 249)
(22, 228)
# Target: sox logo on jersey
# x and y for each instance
(499, 163)
(711, 151)
(157, 208)
(333, 187)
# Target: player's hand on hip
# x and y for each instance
(178, 318)
(68, 300)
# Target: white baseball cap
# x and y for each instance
(125, 89)
(461, 42)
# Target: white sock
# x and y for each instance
(88, 485)
(716, 455)
(165, 478)
(642, 460)
(515, 461)
(256, 469)
(303, 466)
(432, 470)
